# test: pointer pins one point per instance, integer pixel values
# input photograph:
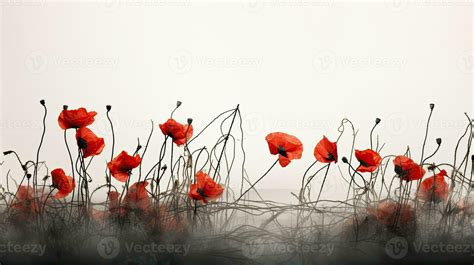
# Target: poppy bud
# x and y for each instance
(178, 103)
(438, 141)
(65, 107)
(377, 121)
(7, 153)
(432, 106)
(344, 159)
(42, 102)
(190, 120)
(45, 178)
(108, 107)
(164, 167)
(28, 176)
(23, 167)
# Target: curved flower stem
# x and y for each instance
(322, 185)
(113, 135)
(372, 133)
(72, 169)
(426, 135)
(253, 185)
(35, 174)
(144, 151)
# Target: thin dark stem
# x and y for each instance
(253, 185)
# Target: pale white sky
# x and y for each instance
(297, 68)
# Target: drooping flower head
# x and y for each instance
(388, 212)
(75, 118)
(286, 146)
(205, 189)
(369, 160)
(434, 188)
(121, 166)
(25, 203)
(407, 169)
(89, 143)
(326, 151)
(137, 197)
(64, 184)
(180, 133)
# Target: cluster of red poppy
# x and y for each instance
(435, 188)
(204, 188)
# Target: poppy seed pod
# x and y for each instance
(432, 106)
(438, 141)
(178, 103)
(108, 107)
(377, 121)
(42, 102)
(190, 121)
(65, 107)
(28, 176)
(344, 160)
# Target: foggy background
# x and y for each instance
(297, 67)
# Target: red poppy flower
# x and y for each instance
(137, 196)
(434, 188)
(388, 211)
(121, 165)
(25, 203)
(369, 160)
(75, 118)
(407, 169)
(113, 197)
(180, 133)
(326, 151)
(90, 144)
(288, 147)
(205, 188)
(64, 184)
